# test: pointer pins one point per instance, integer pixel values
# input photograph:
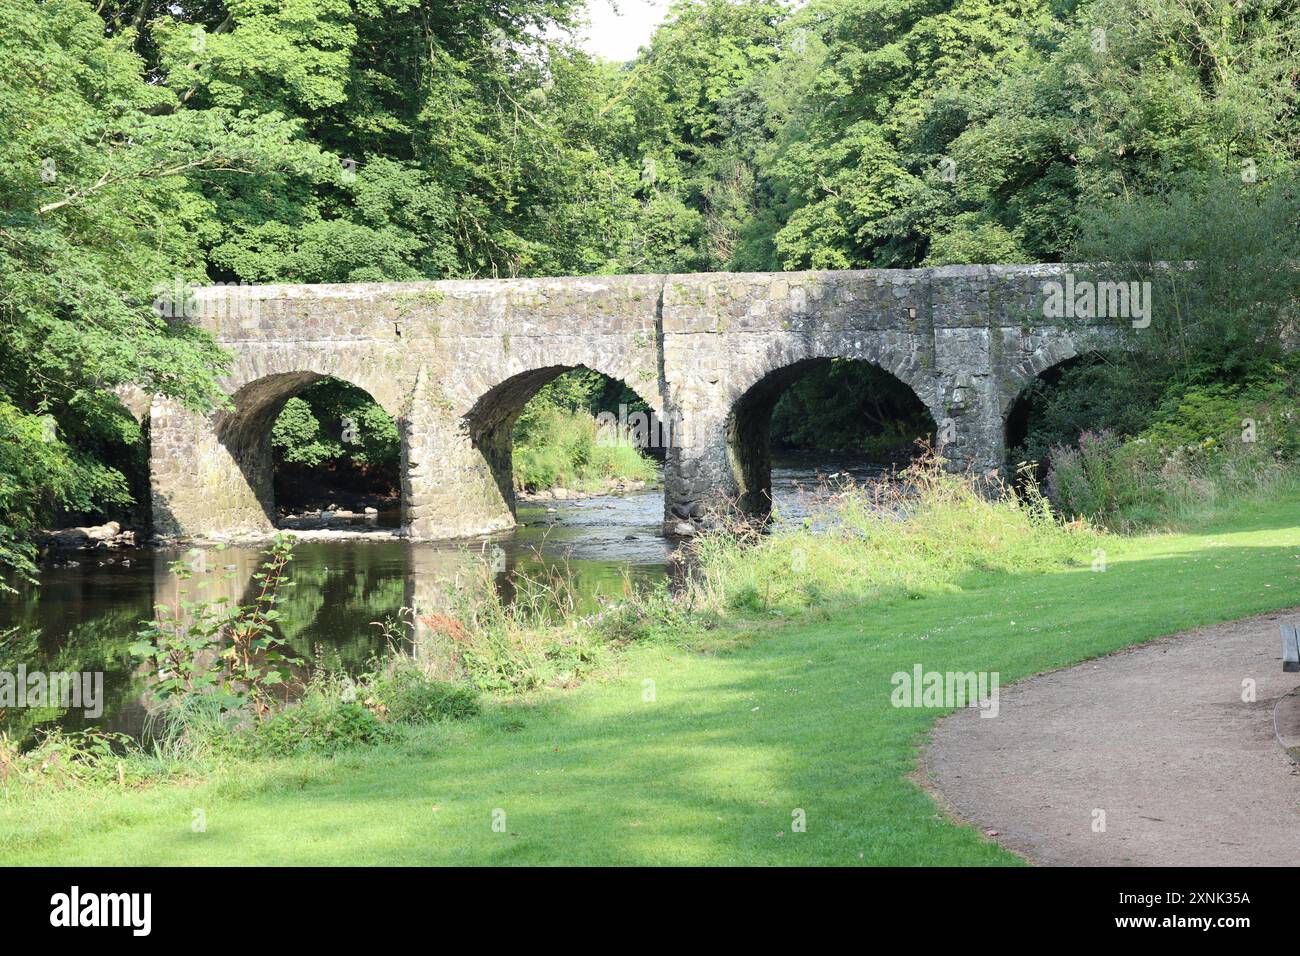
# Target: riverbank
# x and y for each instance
(597, 488)
(770, 740)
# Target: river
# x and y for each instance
(88, 606)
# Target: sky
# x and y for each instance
(616, 35)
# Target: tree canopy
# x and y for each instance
(145, 144)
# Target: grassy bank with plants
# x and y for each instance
(559, 443)
(1203, 448)
(664, 729)
(566, 448)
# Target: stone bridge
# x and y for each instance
(454, 362)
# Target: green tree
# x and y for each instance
(333, 421)
(859, 168)
(1132, 96)
(690, 117)
(100, 203)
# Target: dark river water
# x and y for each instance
(83, 616)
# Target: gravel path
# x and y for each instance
(1158, 737)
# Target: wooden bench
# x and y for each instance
(1290, 648)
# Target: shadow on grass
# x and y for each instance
(733, 748)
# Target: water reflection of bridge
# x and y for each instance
(85, 615)
(338, 609)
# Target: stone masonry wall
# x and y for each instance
(454, 362)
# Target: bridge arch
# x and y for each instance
(1024, 374)
(489, 422)
(267, 375)
(748, 424)
(1017, 408)
(468, 445)
(280, 480)
(225, 480)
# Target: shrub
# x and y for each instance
(1093, 393)
(322, 724)
(1221, 416)
(538, 637)
(1215, 349)
(212, 649)
(1224, 319)
(63, 759)
(1094, 479)
(1207, 447)
(41, 476)
(882, 541)
(562, 448)
(1142, 483)
(621, 460)
(653, 614)
(404, 695)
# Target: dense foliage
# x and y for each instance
(1206, 394)
(144, 144)
(332, 438)
(851, 406)
(559, 442)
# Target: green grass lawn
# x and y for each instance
(711, 770)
